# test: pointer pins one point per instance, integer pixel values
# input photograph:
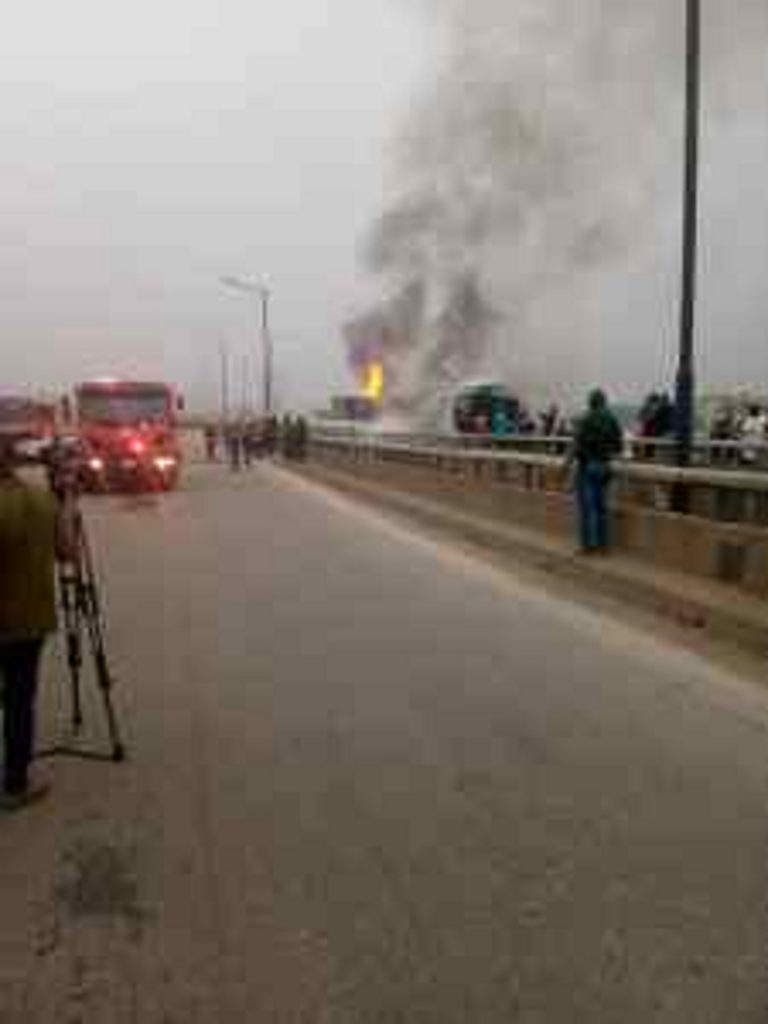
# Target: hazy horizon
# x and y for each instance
(151, 148)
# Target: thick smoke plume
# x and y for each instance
(534, 233)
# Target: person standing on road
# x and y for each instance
(248, 443)
(752, 432)
(271, 430)
(597, 441)
(499, 422)
(34, 531)
(235, 446)
(287, 437)
(300, 439)
(210, 443)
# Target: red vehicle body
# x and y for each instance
(129, 434)
(25, 419)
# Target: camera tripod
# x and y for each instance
(84, 626)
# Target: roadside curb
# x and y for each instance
(716, 610)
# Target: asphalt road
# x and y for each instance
(374, 779)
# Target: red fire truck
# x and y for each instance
(129, 434)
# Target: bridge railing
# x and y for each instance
(725, 455)
(726, 493)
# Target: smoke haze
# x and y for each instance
(534, 230)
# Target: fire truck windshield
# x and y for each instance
(124, 408)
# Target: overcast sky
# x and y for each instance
(151, 146)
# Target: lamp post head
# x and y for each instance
(241, 285)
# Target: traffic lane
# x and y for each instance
(609, 755)
(375, 780)
(403, 691)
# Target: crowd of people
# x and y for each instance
(656, 418)
(746, 423)
(736, 421)
(733, 422)
(242, 443)
(504, 420)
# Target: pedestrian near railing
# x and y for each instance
(597, 443)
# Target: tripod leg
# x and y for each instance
(115, 739)
(73, 630)
(82, 614)
(77, 701)
(103, 673)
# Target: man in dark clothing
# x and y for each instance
(210, 443)
(287, 431)
(34, 531)
(235, 446)
(598, 440)
(300, 438)
(271, 429)
(664, 422)
(249, 443)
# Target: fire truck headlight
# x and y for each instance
(165, 462)
(97, 465)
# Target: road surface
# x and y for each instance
(376, 780)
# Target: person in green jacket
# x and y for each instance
(34, 531)
(598, 440)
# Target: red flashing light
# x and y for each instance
(137, 446)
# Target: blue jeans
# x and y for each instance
(592, 483)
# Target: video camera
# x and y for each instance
(63, 461)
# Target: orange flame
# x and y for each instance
(373, 381)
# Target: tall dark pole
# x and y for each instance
(224, 382)
(266, 342)
(686, 382)
(245, 388)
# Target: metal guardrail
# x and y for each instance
(744, 456)
(726, 494)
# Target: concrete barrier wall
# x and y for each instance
(534, 497)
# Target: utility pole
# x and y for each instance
(224, 384)
(266, 347)
(244, 387)
(686, 380)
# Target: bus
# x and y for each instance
(488, 408)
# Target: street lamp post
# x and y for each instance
(264, 295)
(266, 343)
(686, 385)
(244, 389)
(224, 384)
